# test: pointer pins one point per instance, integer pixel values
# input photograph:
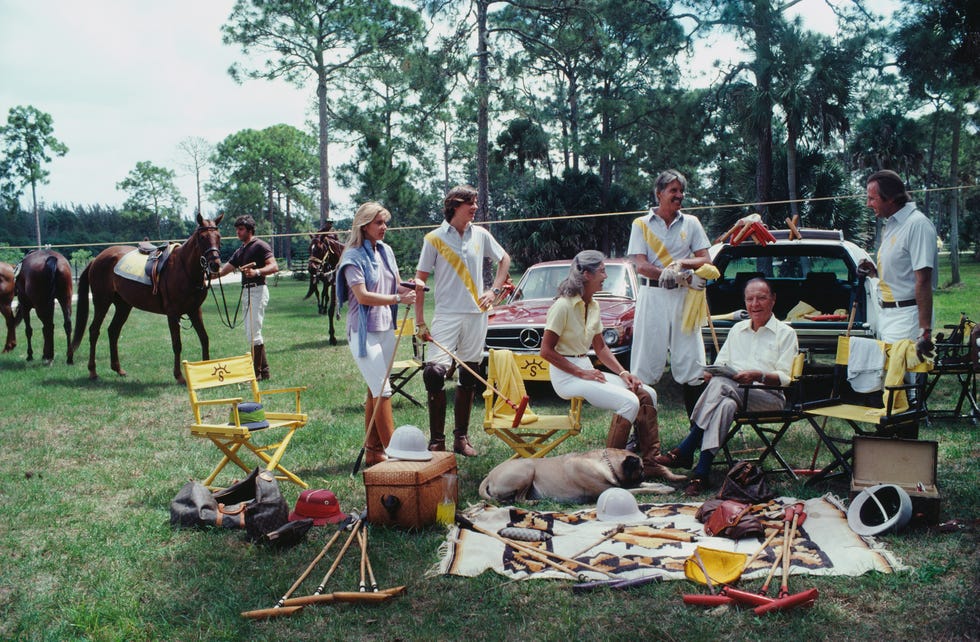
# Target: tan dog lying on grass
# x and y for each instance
(575, 478)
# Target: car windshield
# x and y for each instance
(541, 282)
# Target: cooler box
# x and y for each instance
(907, 463)
(406, 493)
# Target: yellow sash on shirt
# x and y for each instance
(654, 242)
(456, 263)
(884, 290)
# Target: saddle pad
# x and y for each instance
(132, 266)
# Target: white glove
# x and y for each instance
(685, 278)
(668, 278)
(697, 283)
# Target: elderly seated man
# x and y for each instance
(760, 350)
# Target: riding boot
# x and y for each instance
(437, 420)
(259, 362)
(648, 439)
(692, 392)
(462, 405)
(619, 431)
(379, 437)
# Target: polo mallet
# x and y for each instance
(787, 518)
(518, 408)
(340, 555)
(799, 516)
(345, 596)
(370, 570)
(614, 532)
(377, 402)
(539, 555)
(362, 587)
(762, 548)
(280, 608)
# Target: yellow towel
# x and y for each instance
(901, 359)
(695, 302)
(508, 381)
(799, 312)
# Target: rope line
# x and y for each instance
(693, 208)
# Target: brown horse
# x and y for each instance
(181, 289)
(44, 277)
(325, 251)
(6, 304)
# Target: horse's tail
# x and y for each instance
(51, 271)
(81, 312)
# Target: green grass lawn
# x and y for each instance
(88, 552)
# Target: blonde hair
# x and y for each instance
(364, 215)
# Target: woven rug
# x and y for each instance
(825, 545)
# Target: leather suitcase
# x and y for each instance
(907, 463)
(406, 493)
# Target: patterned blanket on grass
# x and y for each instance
(825, 545)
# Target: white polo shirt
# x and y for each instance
(908, 243)
(682, 238)
(475, 244)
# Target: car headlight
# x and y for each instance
(611, 336)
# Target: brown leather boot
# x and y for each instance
(462, 405)
(380, 436)
(619, 432)
(259, 362)
(437, 420)
(648, 440)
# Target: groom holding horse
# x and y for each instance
(256, 261)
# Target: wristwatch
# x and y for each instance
(398, 298)
(497, 290)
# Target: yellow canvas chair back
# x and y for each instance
(538, 434)
(216, 388)
(404, 370)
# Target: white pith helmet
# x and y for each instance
(879, 509)
(618, 505)
(408, 443)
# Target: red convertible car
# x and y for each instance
(518, 324)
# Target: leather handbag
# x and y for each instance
(254, 504)
(745, 482)
(728, 518)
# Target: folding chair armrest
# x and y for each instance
(228, 401)
(296, 390)
(746, 387)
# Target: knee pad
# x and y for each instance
(466, 378)
(434, 377)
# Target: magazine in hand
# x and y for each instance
(721, 371)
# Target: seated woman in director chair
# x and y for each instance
(572, 327)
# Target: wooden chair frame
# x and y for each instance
(903, 424)
(211, 415)
(540, 437)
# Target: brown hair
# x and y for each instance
(890, 186)
(456, 197)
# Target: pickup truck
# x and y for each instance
(818, 270)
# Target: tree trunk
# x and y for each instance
(482, 119)
(37, 214)
(792, 136)
(954, 170)
(321, 99)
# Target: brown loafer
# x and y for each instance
(696, 486)
(437, 445)
(675, 459)
(461, 446)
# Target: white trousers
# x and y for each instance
(895, 324)
(374, 365)
(612, 395)
(256, 299)
(464, 334)
(657, 333)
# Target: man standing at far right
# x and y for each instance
(907, 266)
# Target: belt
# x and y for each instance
(251, 285)
(907, 303)
(574, 356)
(650, 283)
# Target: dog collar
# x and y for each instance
(605, 458)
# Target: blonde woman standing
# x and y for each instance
(368, 281)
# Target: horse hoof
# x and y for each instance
(92, 376)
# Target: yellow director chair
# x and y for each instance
(220, 419)
(404, 370)
(889, 413)
(537, 435)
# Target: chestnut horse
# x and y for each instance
(43, 278)
(181, 289)
(325, 251)
(6, 301)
